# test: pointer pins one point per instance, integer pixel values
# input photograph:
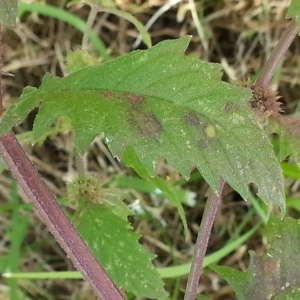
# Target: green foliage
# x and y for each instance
(290, 170)
(131, 160)
(162, 104)
(293, 202)
(79, 59)
(185, 196)
(289, 137)
(8, 12)
(69, 18)
(109, 6)
(109, 236)
(274, 275)
(159, 104)
(139, 26)
(213, 258)
(16, 234)
(294, 12)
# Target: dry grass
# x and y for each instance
(238, 34)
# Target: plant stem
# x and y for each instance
(277, 55)
(1, 65)
(207, 221)
(213, 201)
(55, 219)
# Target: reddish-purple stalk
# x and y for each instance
(277, 55)
(213, 201)
(59, 225)
(55, 219)
(1, 63)
(207, 222)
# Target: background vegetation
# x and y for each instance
(238, 34)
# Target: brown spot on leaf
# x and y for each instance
(192, 119)
(108, 94)
(134, 99)
(152, 127)
(147, 123)
(142, 118)
(230, 107)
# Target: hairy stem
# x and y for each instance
(55, 219)
(207, 221)
(277, 55)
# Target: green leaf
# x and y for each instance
(185, 196)
(288, 132)
(274, 275)
(106, 230)
(18, 112)
(131, 160)
(164, 104)
(290, 170)
(8, 12)
(294, 12)
(119, 251)
(292, 202)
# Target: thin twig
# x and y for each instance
(89, 24)
(199, 26)
(207, 221)
(56, 221)
(153, 19)
(277, 55)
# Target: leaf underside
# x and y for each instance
(274, 275)
(163, 105)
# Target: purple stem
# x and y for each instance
(55, 219)
(207, 222)
(212, 203)
(277, 55)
